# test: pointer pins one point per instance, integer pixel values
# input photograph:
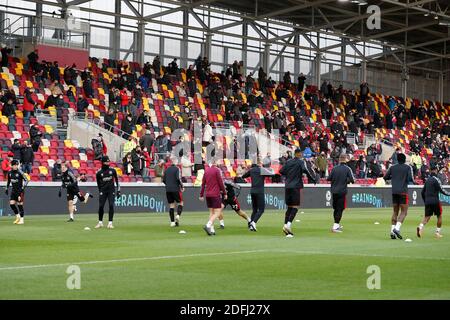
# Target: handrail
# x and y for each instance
(106, 126)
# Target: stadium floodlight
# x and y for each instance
(343, 0)
(355, 1)
(436, 17)
(444, 23)
(426, 14)
(362, 3)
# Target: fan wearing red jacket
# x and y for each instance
(213, 186)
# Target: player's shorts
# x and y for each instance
(292, 196)
(433, 209)
(15, 196)
(214, 202)
(339, 201)
(400, 198)
(233, 203)
(71, 195)
(174, 197)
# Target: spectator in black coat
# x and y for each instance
(109, 119)
(16, 149)
(137, 160)
(8, 108)
(35, 137)
(87, 87)
(56, 171)
(27, 158)
(82, 104)
(54, 72)
(127, 126)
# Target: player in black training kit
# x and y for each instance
(258, 175)
(340, 176)
(233, 191)
(294, 170)
(106, 177)
(70, 183)
(430, 195)
(18, 181)
(174, 192)
(400, 175)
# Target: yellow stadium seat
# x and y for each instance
(19, 114)
(75, 164)
(164, 87)
(232, 173)
(5, 120)
(43, 170)
(19, 65)
(4, 76)
(200, 88)
(96, 113)
(159, 97)
(176, 108)
(119, 172)
(95, 102)
(138, 128)
(9, 83)
(101, 91)
(110, 71)
(68, 143)
(18, 71)
(45, 149)
(48, 129)
(219, 117)
(171, 96)
(183, 76)
(167, 130)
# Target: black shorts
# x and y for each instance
(400, 198)
(233, 203)
(71, 195)
(15, 196)
(174, 197)
(433, 209)
(292, 196)
(339, 201)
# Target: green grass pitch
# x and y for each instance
(143, 258)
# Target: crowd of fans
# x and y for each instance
(237, 96)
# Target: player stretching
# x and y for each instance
(106, 177)
(70, 183)
(400, 175)
(233, 191)
(213, 184)
(18, 181)
(430, 195)
(174, 192)
(340, 176)
(294, 170)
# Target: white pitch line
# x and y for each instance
(129, 260)
(369, 255)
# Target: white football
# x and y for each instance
(182, 232)
(377, 222)
(408, 240)
(87, 229)
(297, 220)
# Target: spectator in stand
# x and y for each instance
(144, 118)
(364, 92)
(374, 170)
(6, 164)
(321, 164)
(27, 157)
(301, 82)
(127, 164)
(16, 149)
(416, 163)
(28, 103)
(8, 109)
(147, 141)
(163, 145)
(82, 104)
(127, 126)
(361, 165)
(109, 120)
(267, 161)
(54, 72)
(192, 86)
(159, 171)
(124, 101)
(35, 137)
(129, 145)
(56, 171)
(138, 161)
(5, 52)
(393, 158)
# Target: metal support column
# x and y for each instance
(317, 67)
(296, 57)
(441, 88)
(184, 41)
(363, 70)
(140, 43)
(206, 50)
(266, 58)
(244, 47)
(115, 33)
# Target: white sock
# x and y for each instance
(335, 226)
(71, 215)
(18, 216)
(289, 224)
(222, 222)
(398, 226)
(100, 222)
(109, 223)
(249, 220)
(421, 226)
(438, 230)
(212, 229)
(392, 227)
(21, 219)
(209, 224)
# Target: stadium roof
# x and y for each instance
(417, 31)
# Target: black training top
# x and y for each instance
(294, 170)
(431, 190)
(172, 179)
(400, 175)
(17, 179)
(105, 179)
(69, 181)
(340, 177)
(257, 174)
